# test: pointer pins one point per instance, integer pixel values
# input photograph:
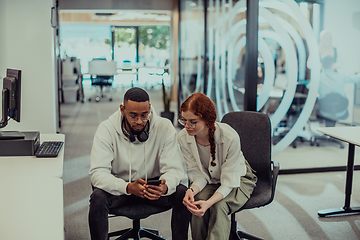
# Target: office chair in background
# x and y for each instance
(254, 130)
(102, 75)
(294, 112)
(330, 109)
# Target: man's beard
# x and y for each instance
(133, 131)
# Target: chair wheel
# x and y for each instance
(342, 147)
(97, 99)
(110, 99)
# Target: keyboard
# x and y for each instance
(49, 149)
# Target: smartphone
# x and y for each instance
(154, 182)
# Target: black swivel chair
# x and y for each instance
(254, 130)
(136, 212)
(330, 109)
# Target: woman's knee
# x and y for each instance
(220, 208)
(205, 194)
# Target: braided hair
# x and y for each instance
(202, 106)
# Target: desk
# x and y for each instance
(32, 196)
(350, 135)
(138, 70)
(31, 166)
(31, 208)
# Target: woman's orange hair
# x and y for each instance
(202, 106)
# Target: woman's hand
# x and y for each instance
(198, 208)
(201, 207)
(189, 199)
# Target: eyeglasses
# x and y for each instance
(143, 117)
(190, 124)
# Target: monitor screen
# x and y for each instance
(11, 99)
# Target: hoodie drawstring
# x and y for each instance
(129, 163)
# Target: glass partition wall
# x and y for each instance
(212, 48)
(138, 41)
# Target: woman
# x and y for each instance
(221, 179)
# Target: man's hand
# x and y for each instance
(153, 192)
(137, 188)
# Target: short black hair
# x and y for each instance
(136, 94)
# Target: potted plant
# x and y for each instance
(166, 101)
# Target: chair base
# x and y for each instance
(325, 140)
(101, 95)
(136, 233)
(237, 234)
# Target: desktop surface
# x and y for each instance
(347, 134)
(31, 166)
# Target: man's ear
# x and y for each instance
(122, 109)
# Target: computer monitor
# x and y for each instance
(11, 99)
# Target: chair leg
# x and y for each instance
(237, 234)
(144, 232)
(136, 233)
(154, 231)
(128, 233)
(244, 235)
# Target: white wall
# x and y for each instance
(346, 38)
(2, 41)
(117, 4)
(26, 43)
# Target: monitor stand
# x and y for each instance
(8, 135)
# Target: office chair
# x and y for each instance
(102, 75)
(136, 212)
(294, 112)
(254, 129)
(330, 109)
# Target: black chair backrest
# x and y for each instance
(254, 130)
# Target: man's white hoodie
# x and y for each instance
(115, 161)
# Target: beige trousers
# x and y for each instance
(215, 224)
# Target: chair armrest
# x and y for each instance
(276, 168)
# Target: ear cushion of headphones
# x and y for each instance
(143, 136)
(129, 135)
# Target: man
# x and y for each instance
(333, 102)
(131, 147)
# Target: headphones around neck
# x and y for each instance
(142, 136)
